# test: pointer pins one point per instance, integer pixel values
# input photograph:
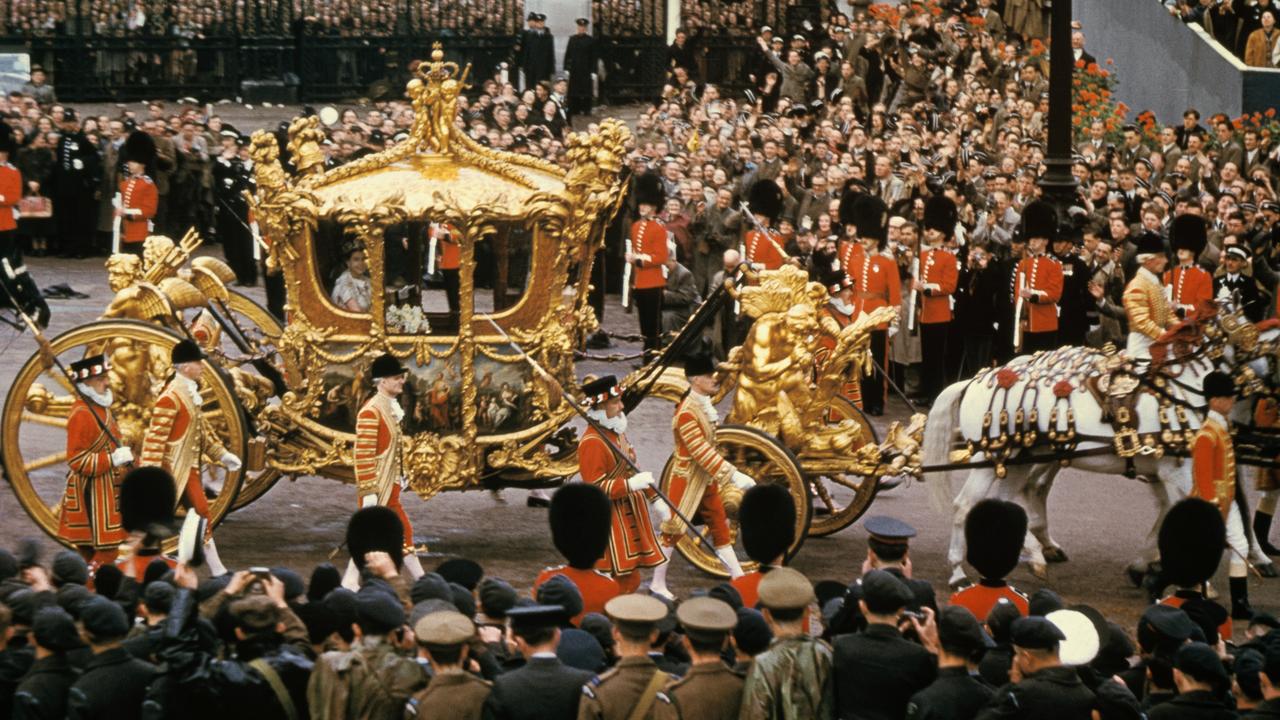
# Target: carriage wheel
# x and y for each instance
(263, 332)
(844, 496)
(767, 461)
(39, 401)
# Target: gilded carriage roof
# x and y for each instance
(438, 165)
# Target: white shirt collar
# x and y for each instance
(1217, 417)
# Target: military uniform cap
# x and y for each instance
(1237, 252)
(534, 615)
(889, 530)
(1164, 622)
(706, 614)
(785, 589)
(958, 629)
(636, 609)
(444, 628)
(1036, 633)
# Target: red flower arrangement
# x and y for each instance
(1093, 98)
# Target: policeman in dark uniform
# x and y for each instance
(876, 671)
(710, 690)
(1073, 323)
(956, 694)
(453, 692)
(888, 546)
(1234, 280)
(1048, 688)
(114, 682)
(232, 176)
(43, 692)
(537, 55)
(543, 688)
(580, 62)
(630, 690)
(77, 173)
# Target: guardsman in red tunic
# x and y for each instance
(1188, 284)
(876, 284)
(90, 511)
(138, 195)
(697, 471)
(832, 318)
(1038, 280)
(1213, 478)
(762, 248)
(767, 524)
(581, 529)
(11, 186)
(450, 261)
(379, 475)
(939, 274)
(994, 532)
(1191, 541)
(647, 255)
(177, 438)
(148, 496)
(632, 542)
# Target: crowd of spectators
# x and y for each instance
(1246, 28)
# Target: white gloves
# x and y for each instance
(368, 500)
(121, 456)
(662, 511)
(230, 462)
(742, 481)
(640, 481)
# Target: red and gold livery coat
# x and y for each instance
(1213, 465)
(1042, 275)
(632, 541)
(90, 512)
(177, 438)
(377, 458)
(831, 319)
(10, 194)
(697, 470)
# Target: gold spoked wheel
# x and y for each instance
(40, 399)
(841, 498)
(262, 330)
(767, 461)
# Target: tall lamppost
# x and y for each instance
(1058, 184)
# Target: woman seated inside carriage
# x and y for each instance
(352, 290)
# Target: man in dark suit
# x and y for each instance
(876, 671)
(77, 173)
(956, 694)
(114, 683)
(537, 51)
(544, 688)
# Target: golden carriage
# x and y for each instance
(477, 415)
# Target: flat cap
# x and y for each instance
(889, 530)
(430, 586)
(563, 592)
(1201, 662)
(580, 650)
(444, 628)
(1036, 633)
(752, 634)
(294, 587)
(1165, 622)
(54, 630)
(958, 629)
(496, 597)
(785, 589)
(884, 593)
(378, 611)
(706, 614)
(158, 597)
(636, 609)
(103, 619)
(255, 613)
(69, 568)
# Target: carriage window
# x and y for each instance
(343, 267)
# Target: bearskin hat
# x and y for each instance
(994, 532)
(375, 528)
(1192, 539)
(580, 517)
(1188, 232)
(767, 520)
(140, 148)
(148, 496)
(848, 201)
(765, 199)
(1039, 219)
(649, 190)
(7, 143)
(940, 214)
(871, 216)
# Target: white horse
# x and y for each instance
(1042, 383)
